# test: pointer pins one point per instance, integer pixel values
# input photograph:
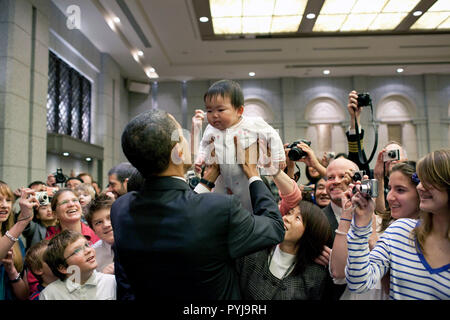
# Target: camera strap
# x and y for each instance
(358, 140)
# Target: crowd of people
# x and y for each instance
(246, 230)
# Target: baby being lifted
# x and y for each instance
(224, 103)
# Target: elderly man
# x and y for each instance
(184, 242)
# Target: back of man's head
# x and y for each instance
(147, 141)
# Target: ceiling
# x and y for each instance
(171, 39)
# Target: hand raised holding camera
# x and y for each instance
(27, 202)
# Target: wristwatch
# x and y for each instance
(207, 183)
(18, 277)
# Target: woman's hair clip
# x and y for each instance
(415, 178)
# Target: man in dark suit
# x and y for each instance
(175, 243)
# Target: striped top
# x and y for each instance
(411, 277)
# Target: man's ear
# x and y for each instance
(125, 183)
(176, 156)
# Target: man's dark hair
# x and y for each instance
(35, 183)
(102, 202)
(123, 171)
(54, 254)
(147, 142)
(341, 154)
(73, 178)
(227, 88)
(136, 181)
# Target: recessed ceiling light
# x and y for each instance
(140, 53)
(151, 69)
(116, 19)
(326, 71)
(204, 19)
(400, 70)
(251, 74)
(88, 159)
(417, 13)
(65, 154)
(310, 16)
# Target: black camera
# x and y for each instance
(59, 176)
(364, 100)
(192, 179)
(296, 153)
(358, 175)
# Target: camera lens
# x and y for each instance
(357, 176)
(296, 154)
(391, 154)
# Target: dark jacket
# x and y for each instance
(174, 243)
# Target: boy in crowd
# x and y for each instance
(40, 269)
(224, 103)
(98, 218)
(72, 260)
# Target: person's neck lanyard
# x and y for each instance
(286, 273)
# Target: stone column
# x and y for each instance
(409, 140)
(338, 138)
(421, 136)
(24, 36)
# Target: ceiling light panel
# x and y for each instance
(256, 24)
(257, 8)
(387, 21)
(396, 6)
(444, 25)
(225, 8)
(371, 6)
(289, 7)
(327, 23)
(227, 25)
(358, 22)
(430, 20)
(337, 7)
(440, 5)
(285, 24)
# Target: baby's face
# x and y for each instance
(221, 114)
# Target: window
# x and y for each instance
(68, 100)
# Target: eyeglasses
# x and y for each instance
(62, 203)
(79, 250)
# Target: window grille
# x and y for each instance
(68, 100)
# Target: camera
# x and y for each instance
(42, 197)
(330, 155)
(358, 175)
(367, 187)
(364, 100)
(59, 176)
(192, 179)
(391, 155)
(296, 153)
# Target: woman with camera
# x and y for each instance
(404, 200)
(415, 253)
(12, 250)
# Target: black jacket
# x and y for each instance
(174, 243)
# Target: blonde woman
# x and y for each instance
(12, 250)
(416, 253)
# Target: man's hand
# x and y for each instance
(353, 109)
(8, 263)
(212, 169)
(247, 158)
(198, 118)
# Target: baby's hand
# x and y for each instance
(198, 165)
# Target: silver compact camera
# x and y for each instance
(367, 187)
(42, 197)
(391, 155)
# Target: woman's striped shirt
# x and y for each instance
(411, 277)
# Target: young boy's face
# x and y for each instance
(101, 223)
(45, 213)
(81, 254)
(220, 112)
(85, 198)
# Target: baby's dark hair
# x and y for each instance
(227, 88)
